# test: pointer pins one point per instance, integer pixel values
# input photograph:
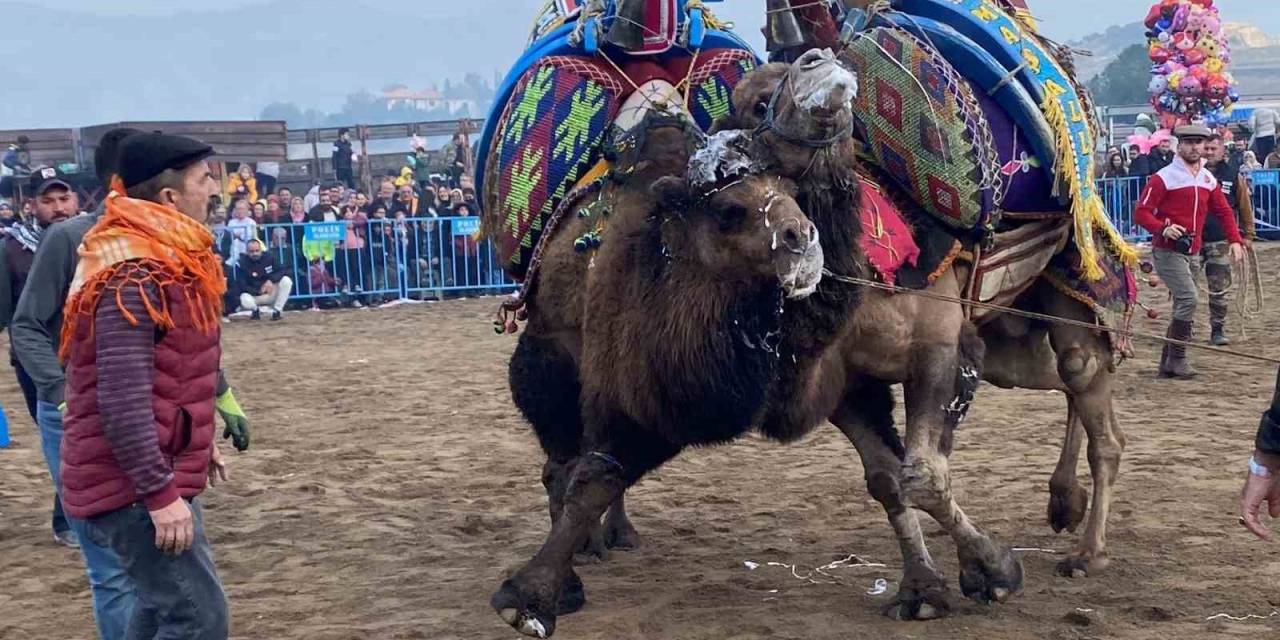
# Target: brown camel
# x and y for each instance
(907, 339)
(1019, 354)
(841, 349)
(665, 336)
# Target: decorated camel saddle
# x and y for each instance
(967, 113)
(585, 62)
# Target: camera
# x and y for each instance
(1183, 244)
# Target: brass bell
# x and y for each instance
(627, 30)
(782, 30)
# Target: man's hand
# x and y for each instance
(1237, 252)
(175, 528)
(1258, 490)
(237, 424)
(217, 466)
(268, 288)
(1174, 231)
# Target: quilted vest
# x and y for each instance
(182, 397)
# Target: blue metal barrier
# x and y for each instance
(1120, 195)
(1264, 187)
(382, 260)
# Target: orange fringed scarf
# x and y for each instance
(138, 243)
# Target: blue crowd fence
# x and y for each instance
(382, 259)
(434, 257)
(1121, 195)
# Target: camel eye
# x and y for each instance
(731, 215)
(762, 108)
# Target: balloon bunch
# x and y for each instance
(1189, 55)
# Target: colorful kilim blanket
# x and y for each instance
(1112, 297)
(1035, 63)
(712, 80)
(923, 127)
(550, 133)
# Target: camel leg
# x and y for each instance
(937, 394)
(529, 599)
(866, 418)
(545, 387)
(1084, 364)
(1068, 500)
(1020, 356)
(618, 531)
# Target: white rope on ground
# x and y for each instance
(852, 561)
(1244, 618)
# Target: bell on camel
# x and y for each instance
(627, 30)
(782, 30)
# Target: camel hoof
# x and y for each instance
(585, 558)
(1080, 565)
(992, 574)
(521, 615)
(1067, 508)
(621, 537)
(572, 596)
(593, 551)
(920, 601)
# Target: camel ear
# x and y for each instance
(671, 194)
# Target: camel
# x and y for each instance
(1017, 354)
(1020, 353)
(834, 363)
(664, 337)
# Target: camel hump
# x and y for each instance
(653, 96)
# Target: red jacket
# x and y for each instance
(174, 459)
(1174, 195)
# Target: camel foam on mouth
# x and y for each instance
(802, 279)
(724, 156)
(838, 82)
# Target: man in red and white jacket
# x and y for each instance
(1177, 201)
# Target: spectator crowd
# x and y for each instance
(409, 237)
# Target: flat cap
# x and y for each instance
(144, 156)
(1192, 131)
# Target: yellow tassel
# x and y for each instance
(1088, 213)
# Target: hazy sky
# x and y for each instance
(1063, 19)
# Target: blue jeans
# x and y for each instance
(178, 596)
(29, 394)
(113, 591)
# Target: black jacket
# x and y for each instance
(1228, 176)
(1140, 167)
(342, 156)
(254, 273)
(1268, 439)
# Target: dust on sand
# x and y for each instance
(391, 484)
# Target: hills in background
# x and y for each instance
(68, 68)
(1255, 54)
(72, 69)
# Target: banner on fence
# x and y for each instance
(466, 226)
(1264, 178)
(325, 232)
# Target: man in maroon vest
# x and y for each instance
(55, 201)
(140, 340)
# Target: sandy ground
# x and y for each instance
(391, 484)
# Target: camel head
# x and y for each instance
(796, 108)
(737, 222)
